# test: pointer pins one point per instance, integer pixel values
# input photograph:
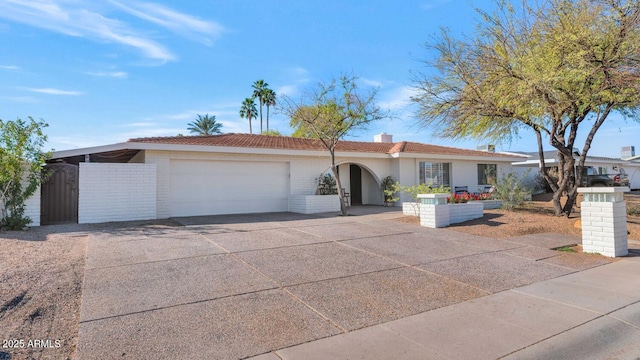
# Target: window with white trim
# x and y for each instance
(435, 174)
(487, 174)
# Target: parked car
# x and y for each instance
(591, 178)
(621, 179)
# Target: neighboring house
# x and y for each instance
(163, 177)
(628, 164)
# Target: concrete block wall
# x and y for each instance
(313, 204)
(604, 228)
(437, 216)
(464, 212)
(411, 208)
(116, 192)
(32, 208)
(434, 216)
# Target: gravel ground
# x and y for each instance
(41, 274)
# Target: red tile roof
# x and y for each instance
(291, 143)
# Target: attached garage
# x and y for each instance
(202, 187)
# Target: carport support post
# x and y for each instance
(604, 221)
(434, 210)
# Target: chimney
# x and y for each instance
(487, 148)
(383, 138)
(627, 152)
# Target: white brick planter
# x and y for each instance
(489, 204)
(464, 212)
(313, 204)
(436, 213)
(411, 208)
(434, 216)
(604, 221)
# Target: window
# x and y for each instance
(486, 174)
(602, 170)
(436, 174)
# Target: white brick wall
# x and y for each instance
(32, 208)
(116, 192)
(434, 216)
(604, 228)
(437, 216)
(464, 212)
(411, 208)
(313, 204)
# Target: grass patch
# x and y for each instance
(633, 210)
(567, 249)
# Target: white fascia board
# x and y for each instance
(213, 149)
(528, 163)
(455, 157)
(589, 160)
(90, 150)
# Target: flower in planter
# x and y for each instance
(460, 198)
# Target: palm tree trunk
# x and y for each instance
(250, 129)
(267, 117)
(261, 116)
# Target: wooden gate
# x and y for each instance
(59, 196)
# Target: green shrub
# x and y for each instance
(326, 185)
(511, 190)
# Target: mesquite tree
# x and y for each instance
(549, 67)
(331, 111)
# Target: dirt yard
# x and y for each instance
(538, 217)
(41, 274)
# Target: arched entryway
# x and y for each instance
(361, 183)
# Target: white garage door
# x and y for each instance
(228, 187)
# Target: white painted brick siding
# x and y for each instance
(32, 208)
(437, 216)
(464, 212)
(313, 204)
(604, 228)
(411, 208)
(434, 216)
(116, 192)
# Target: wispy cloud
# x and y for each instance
(114, 74)
(9, 67)
(53, 91)
(288, 90)
(371, 82)
(76, 18)
(398, 101)
(183, 24)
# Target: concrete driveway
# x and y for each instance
(231, 287)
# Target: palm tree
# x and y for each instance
(248, 111)
(259, 88)
(269, 100)
(205, 125)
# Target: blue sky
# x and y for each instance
(104, 71)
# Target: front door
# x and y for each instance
(356, 184)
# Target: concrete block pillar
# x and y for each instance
(604, 220)
(434, 210)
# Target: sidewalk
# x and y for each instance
(592, 314)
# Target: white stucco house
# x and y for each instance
(164, 177)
